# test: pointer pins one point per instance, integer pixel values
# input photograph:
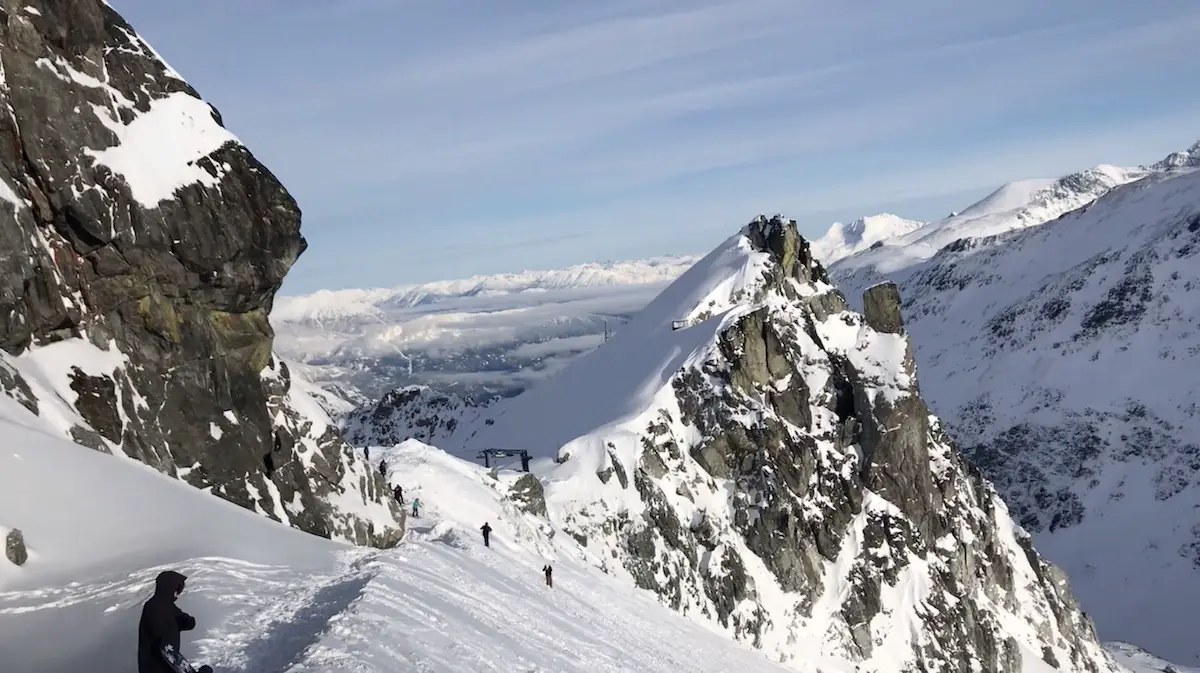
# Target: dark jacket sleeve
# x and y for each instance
(184, 621)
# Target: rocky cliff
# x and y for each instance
(141, 245)
(1063, 358)
(760, 457)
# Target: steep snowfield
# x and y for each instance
(269, 598)
(1066, 360)
(843, 240)
(500, 331)
(621, 379)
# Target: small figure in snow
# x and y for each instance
(416, 507)
(383, 467)
(486, 528)
(367, 453)
(399, 493)
(549, 575)
(161, 623)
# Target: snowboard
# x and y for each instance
(179, 664)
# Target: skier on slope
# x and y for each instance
(416, 507)
(161, 623)
(486, 529)
(549, 575)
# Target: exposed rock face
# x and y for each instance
(14, 547)
(881, 308)
(790, 485)
(141, 246)
(528, 494)
(415, 412)
(1062, 358)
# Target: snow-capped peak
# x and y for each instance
(842, 240)
(759, 457)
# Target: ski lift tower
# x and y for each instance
(488, 454)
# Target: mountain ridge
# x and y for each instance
(758, 456)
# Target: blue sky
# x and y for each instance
(429, 139)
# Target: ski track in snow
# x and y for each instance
(439, 602)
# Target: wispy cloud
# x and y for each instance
(562, 131)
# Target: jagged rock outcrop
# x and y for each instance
(783, 478)
(1062, 358)
(141, 246)
(14, 547)
(416, 412)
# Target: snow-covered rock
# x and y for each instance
(415, 412)
(141, 245)
(1064, 358)
(843, 240)
(759, 457)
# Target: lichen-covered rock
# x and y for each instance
(788, 482)
(137, 271)
(14, 547)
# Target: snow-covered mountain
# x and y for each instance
(759, 457)
(843, 240)
(416, 412)
(141, 245)
(98, 529)
(489, 334)
(1065, 358)
(1016, 205)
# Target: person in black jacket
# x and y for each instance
(161, 623)
(486, 529)
(549, 575)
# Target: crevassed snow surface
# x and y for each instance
(270, 598)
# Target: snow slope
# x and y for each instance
(1064, 358)
(269, 598)
(494, 332)
(769, 467)
(843, 240)
(1015, 205)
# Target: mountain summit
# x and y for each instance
(759, 456)
(843, 240)
(141, 246)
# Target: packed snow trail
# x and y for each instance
(269, 599)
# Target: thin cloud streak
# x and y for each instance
(545, 128)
